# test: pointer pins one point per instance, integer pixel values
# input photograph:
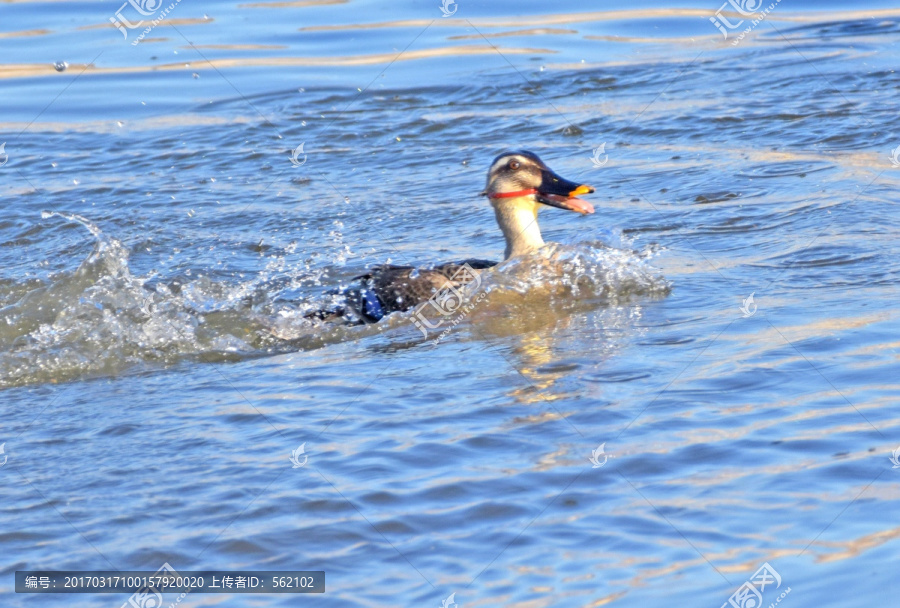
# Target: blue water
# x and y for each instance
(159, 253)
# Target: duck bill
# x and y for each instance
(556, 191)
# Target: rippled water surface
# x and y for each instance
(720, 337)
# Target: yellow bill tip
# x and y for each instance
(581, 190)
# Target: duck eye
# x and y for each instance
(514, 165)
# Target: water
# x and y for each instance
(159, 251)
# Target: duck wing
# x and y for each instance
(399, 288)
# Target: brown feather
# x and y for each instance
(403, 287)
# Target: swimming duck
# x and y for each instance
(518, 185)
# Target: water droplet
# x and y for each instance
(60, 66)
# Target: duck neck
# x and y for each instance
(517, 218)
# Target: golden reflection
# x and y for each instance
(630, 14)
(531, 325)
(543, 332)
(164, 23)
(24, 70)
(530, 21)
(238, 47)
(854, 547)
(533, 352)
(820, 328)
(143, 124)
(645, 39)
(559, 457)
(25, 33)
(609, 599)
(530, 32)
(649, 569)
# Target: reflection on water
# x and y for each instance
(158, 369)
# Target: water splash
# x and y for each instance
(609, 269)
(102, 319)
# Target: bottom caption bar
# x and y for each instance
(168, 580)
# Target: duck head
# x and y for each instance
(518, 185)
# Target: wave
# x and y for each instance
(101, 319)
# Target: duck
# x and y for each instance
(519, 184)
